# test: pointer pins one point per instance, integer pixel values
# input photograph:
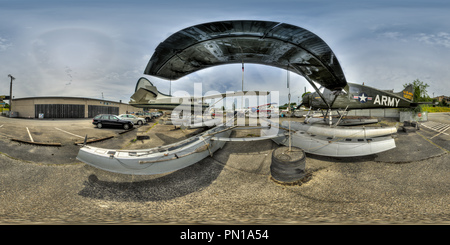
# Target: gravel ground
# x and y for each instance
(224, 190)
(233, 187)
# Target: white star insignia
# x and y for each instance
(363, 98)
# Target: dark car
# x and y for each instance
(107, 120)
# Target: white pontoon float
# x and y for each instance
(156, 160)
(340, 131)
(342, 142)
(336, 142)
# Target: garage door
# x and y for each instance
(94, 110)
(59, 111)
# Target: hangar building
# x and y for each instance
(67, 107)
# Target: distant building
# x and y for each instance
(67, 107)
(442, 98)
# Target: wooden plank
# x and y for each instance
(94, 140)
(37, 143)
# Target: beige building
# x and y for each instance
(442, 98)
(67, 107)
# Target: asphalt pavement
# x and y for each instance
(47, 185)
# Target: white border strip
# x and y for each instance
(30, 135)
(69, 133)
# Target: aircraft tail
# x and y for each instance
(407, 93)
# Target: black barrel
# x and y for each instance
(288, 166)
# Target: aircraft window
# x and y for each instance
(354, 90)
(326, 92)
(321, 89)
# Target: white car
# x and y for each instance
(132, 118)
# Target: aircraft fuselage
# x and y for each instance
(359, 97)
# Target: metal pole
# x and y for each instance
(242, 75)
(10, 93)
(289, 107)
(242, 97)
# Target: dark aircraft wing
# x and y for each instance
(246, 41)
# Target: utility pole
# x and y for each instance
(10, 93)
(242, 97)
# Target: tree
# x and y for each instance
(293, 105)
(305, 93)
(420, 91)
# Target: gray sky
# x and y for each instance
(86, 48)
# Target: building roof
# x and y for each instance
(66, 97)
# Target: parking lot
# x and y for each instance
(15, 133)
(56, 141)
(46, 184)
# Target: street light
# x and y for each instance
(10, 93)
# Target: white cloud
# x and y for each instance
(434, 39)
(440, 39)
(393, 35)
(4, 44)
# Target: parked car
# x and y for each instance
(135, 120)
(108, 120)
(147, 116)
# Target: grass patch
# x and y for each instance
(431, 109)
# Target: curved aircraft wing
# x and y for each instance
(247, 41)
